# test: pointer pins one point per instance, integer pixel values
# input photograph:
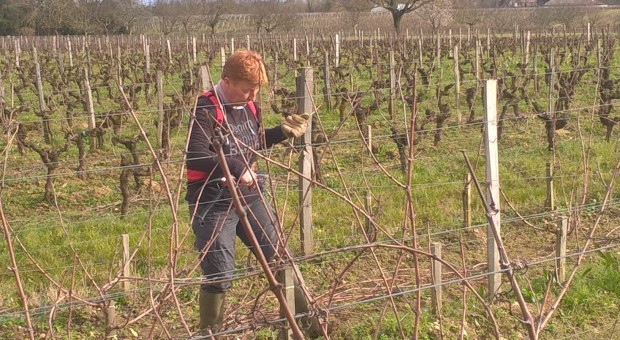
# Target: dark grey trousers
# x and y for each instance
(216, 232)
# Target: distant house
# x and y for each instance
(526, 3)
(529, 3)
(378, 9)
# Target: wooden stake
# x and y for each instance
(126, 264)
(169, 51)
(369, 137)
(286, 279)
(207, 84)
(560, 250)
(337, 59)
(436, 292)
(223, 56)
(110, 318)
(368, 205)
(492, 180)
(304, 104)
(88, 97)
(391, 108)
(160, 108)
(550, 201)
(457, 82)
(327, 87)
(467, 201)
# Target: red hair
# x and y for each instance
(245, 65)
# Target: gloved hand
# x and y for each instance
(295, 125)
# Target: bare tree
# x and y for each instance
(437, 14)
(355, 9)
(565, 15)
(398, 9)
(468, 16)
(272, 15)
(541, 17)
(212, 12)
(168, 15)
(104, 14)
(55, 16)
(313, 6)
(186, 11)
(129, 13)
(82, 18)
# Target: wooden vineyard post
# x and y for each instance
(515, 34)
(110, 332)
(488, 42)
(438, 51)
(551, 109)
(457, 84)
(420, 54)
(70, 52)
(304, 85)
(274, 77)
(126, 264)
(223, 56)
(286, 279)
(550, 201)
(492, 180)
(194, 54)
(327, 88)
(560, 250)
(190, 69)
(205, 77)
(308, 50)
(467, 201)
(169, 51)
(436, 292)
(2, 94)
(43, 112)
(119, 64)
(535, 68)
(369, 137)
(17, 50)
(526, 54)
(478, 61)
(88, 96)
(368, 206)
(337, 59)
(147, 56)
(391, 108)
(598, 57)
(160, 109)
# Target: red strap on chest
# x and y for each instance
(219, 115)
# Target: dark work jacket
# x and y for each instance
(203, 167)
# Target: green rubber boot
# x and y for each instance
(211, 307)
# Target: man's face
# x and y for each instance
(239, 92)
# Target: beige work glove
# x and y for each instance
(295, 125)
